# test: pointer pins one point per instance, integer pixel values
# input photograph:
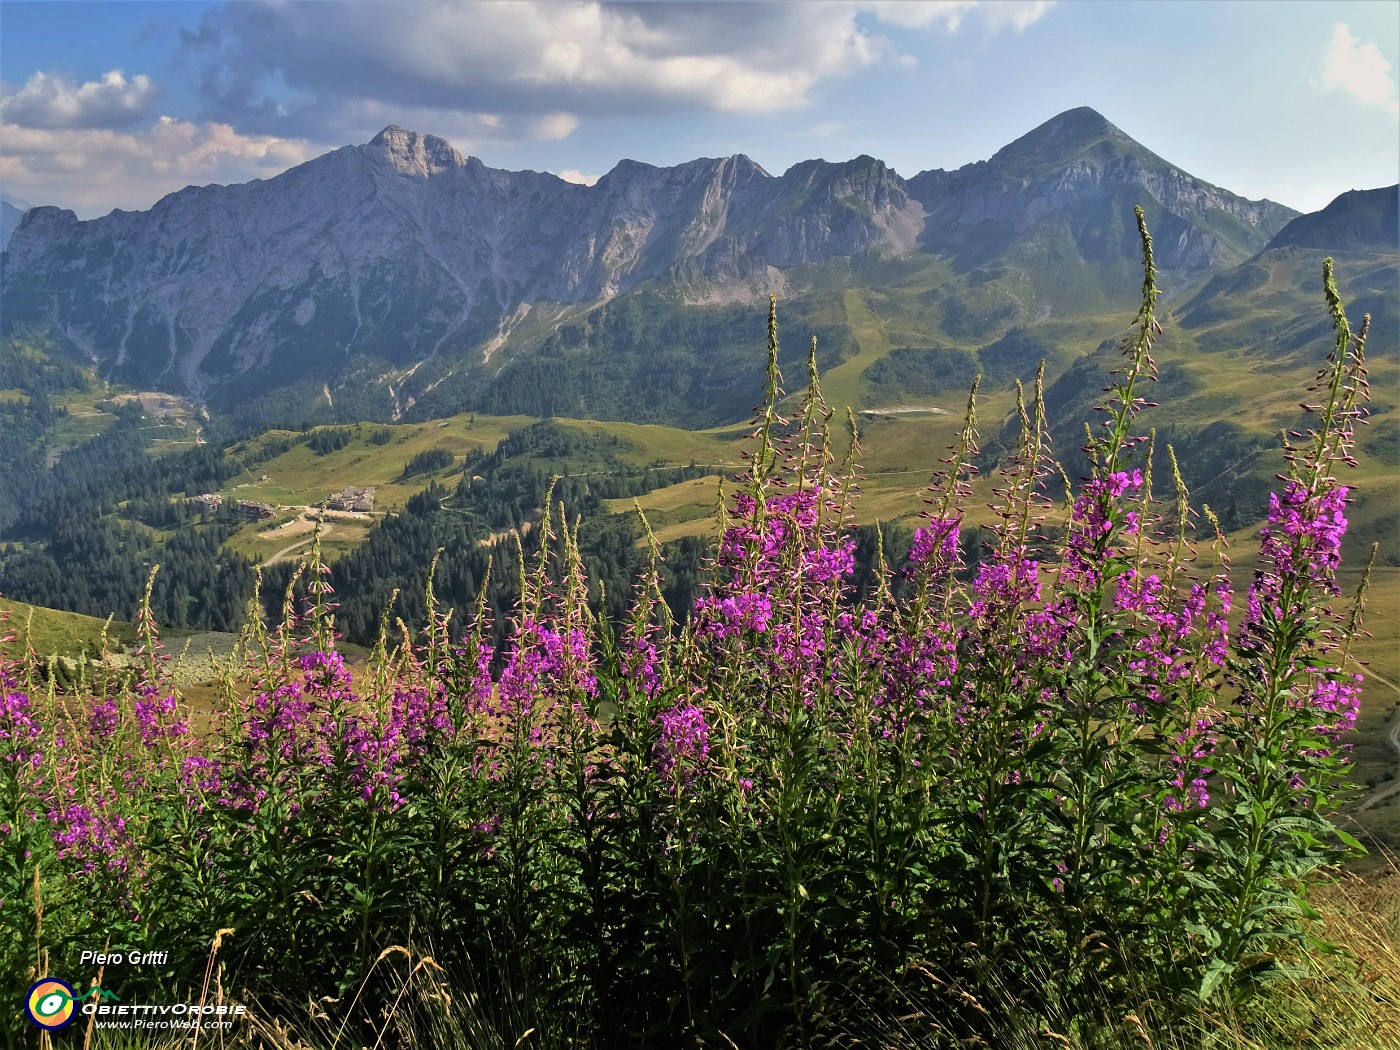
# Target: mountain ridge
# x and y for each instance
(1356, 220)
(378, 259)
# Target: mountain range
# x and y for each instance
(400, 279)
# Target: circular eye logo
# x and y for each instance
(50, 1004)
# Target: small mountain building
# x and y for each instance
(351, 498)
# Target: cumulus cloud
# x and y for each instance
(49, 100)
(360, 119)
(579, 178)
(1358, 69)
(553, 126)
(56, 166)
(537, 66)
(950, 14)
(1019, 15)
(920, 14)
(273, 77)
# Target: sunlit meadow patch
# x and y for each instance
(1054, 779)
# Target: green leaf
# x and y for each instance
(1215, 974)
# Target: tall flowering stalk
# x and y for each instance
(1099, 776)
(1295, 698)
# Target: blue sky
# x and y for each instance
(115, 104)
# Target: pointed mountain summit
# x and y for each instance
(1063, 195)
(1062, 140)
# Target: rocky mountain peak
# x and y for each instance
(1061, 141)
(737, 167)
(412, 153)
(1079, 123)
(742, 164)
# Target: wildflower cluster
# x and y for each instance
(759, 821)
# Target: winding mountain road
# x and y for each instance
(288, 550)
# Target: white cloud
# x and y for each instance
(553, 126)
(1019, 15)
(577, 177)
(920, 14)
(316, 68)
(51, 166)
(276, 76)
(530, 56)
(49, 100)
(950, 14)
(1358, 69)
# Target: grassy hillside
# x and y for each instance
(302, 477)
(50, 632)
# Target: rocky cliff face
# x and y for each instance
(403, 250)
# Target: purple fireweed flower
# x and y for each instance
(828, 564)
(781, 582)
(200, 774)
(104, 719)
(936, 544)
(295, 729)
(1217, 628)
(640, 660)
(1044, 632)
(153, 716)
(543, 653)
(789, 535)
(917, 672)
(1302, 541)
(1304, 531)
(1001, 585)
(549, 675)
(1092, 521)
(683, 744)
(724, 617)
(19, 733)
(1190, 776)
(471, 690)
(1336, 698)
(94, 836)
(333, 662)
